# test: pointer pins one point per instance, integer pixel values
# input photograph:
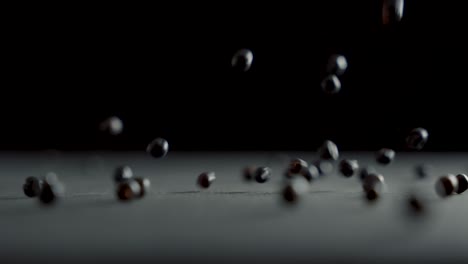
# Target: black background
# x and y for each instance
(165, 70)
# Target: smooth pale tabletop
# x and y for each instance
(233, 220)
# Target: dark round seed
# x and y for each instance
(128, 190)
(417, 138)
(242, 60)
(289, 194)
(294, 189)
(158, 148)
(348, 167)
(206, 179)
(112, 125)
(337, 65)
(310, 173)
(28, 191)
(324, 167)
(446, 185)
(32, 186)
(373, 181)
(262, 174)
(331, 84)
(462, 183)
(392, 11)
(145, 185)
(422, 170)
(365, 172)
(52, 189)
(415, 204)
(297, 165)
(248, 173)
(47, 195)
(385, 156)
(123, 173)
(329, 151)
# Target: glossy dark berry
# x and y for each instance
(329, 151)
(128, 190)
(145, 185)
(248, 173)
(112, 126)
(158, 148)
(206, 179)
(446, 185)
(348, 167)
(297, 165)
(310, 173)
(385, 156)
(32, 186)
(262, 174)
(392, 11)
(417, 138)
(462, 185)
(337, 64)
(331, 84)
(52, 189)
(242, 60)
